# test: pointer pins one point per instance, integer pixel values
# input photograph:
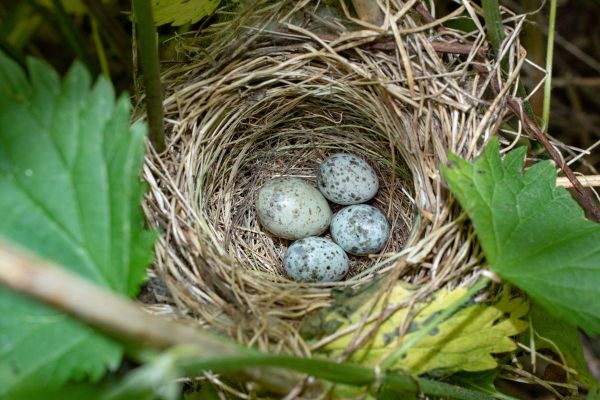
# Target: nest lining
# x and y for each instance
(273, 95)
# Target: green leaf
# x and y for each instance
(560, 337)
(69, 178)
(71, 391)
(465, 341)
(483, 382)
(154, 380)
(179, 12)
(40, 348)
(493, 23)
(594, 393)
(534, 234)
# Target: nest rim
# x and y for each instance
(437, 249)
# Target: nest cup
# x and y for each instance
(279, 88)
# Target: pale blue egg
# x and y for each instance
(360, 229)
(347, 179)
(292, 208)
(315, 259)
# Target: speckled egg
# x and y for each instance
(292, 208)
(314, 259)
(347, 179)
(360, 229)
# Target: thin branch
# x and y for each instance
(581, 194)
(586, 181)
(459, 48)
(121, 318)
(117, 316)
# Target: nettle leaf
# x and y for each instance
(179, 12)
(533, 233)
(70, 191)
(464, 342)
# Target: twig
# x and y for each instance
(121, 318)
(424, 12)
(583, 197)
(116, 316)
(586, 181)
(459, 48)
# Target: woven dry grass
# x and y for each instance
(272, 92)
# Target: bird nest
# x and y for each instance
(274, 90)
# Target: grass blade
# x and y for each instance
(549, 58)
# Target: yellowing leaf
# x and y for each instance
(466, 341)
(179, 12)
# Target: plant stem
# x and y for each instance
(148, 49)
(342, 373)
(200, 350)
(549, 59)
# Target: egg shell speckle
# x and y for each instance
(347, 179)
(292, 208)
(315, 259)
(360, 229)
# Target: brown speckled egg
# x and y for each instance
(292, 208)
(314, 259)
(347, 179)
(360, 229)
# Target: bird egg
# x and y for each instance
(292, 208)
(347, 179)
(360, 229)
(315, 259)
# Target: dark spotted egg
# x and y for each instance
(292, 208)
(314, 259)
(360, 229)
(347, 179)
